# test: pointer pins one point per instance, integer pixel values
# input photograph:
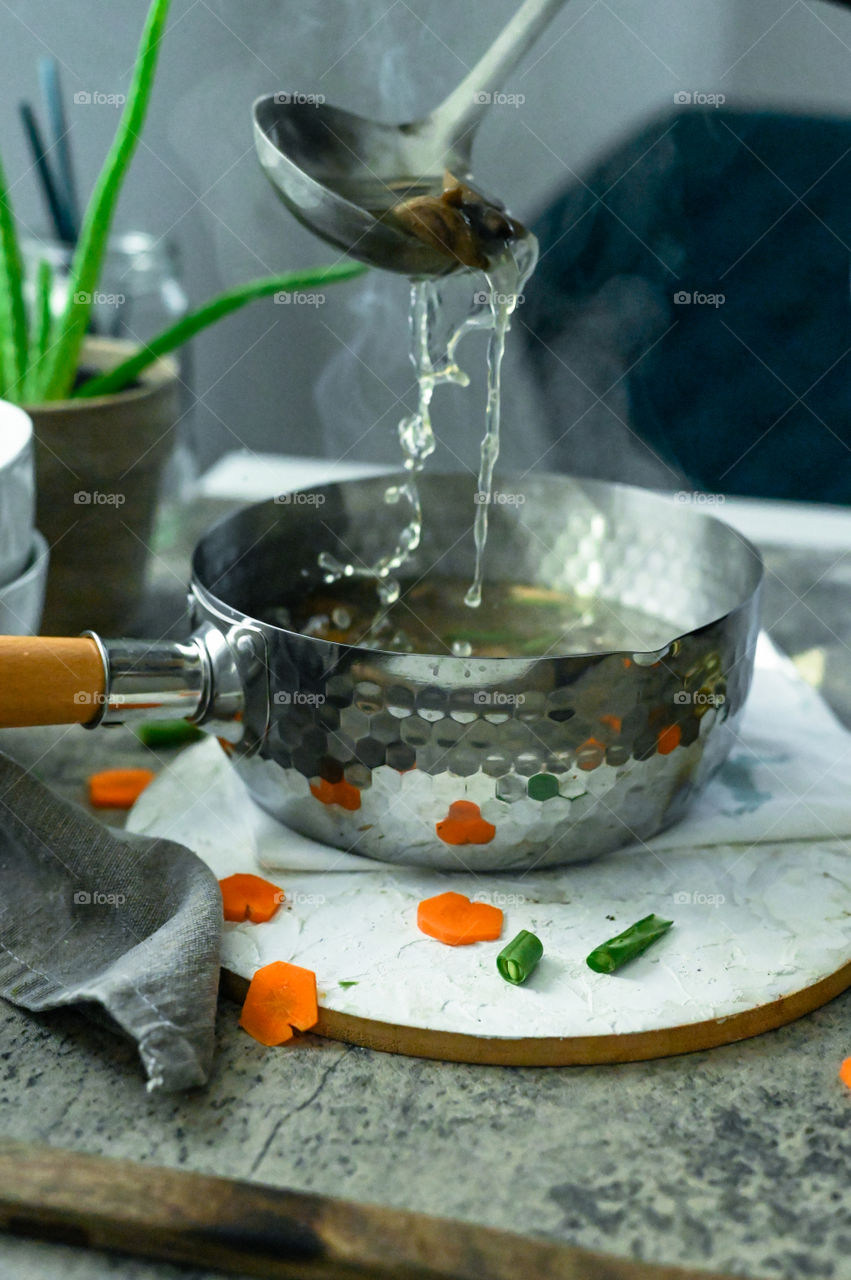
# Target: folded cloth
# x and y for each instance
(785, 779)
(131, 923)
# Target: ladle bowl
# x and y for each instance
(340, 173)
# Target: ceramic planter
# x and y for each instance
(99, 463)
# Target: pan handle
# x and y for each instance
(89, 681)
(49, 680)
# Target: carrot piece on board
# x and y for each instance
(281, 996)
(118, 788)
(845, 1072)
(247, 897)
(452, 918)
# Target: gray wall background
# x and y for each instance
(328, 380)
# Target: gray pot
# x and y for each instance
(99, 464)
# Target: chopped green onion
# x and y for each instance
(349, 982)
(516, 961)
(167, 733)
(610, 955)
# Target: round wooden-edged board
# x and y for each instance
(761, 936)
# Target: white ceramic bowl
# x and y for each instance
(17, 491)
(22, 599)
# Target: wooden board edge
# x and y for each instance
(567, 1051)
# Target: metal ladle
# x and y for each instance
(339, 173)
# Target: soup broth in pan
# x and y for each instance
(430, 616)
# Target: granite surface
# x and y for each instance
(735, 1159)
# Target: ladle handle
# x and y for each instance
(464, 107)
(49, 680)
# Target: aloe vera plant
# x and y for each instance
(40, 353)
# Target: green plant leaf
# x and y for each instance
(175, 336)
(13, 316)
(40, 326)
(62, 362)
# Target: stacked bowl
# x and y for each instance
(23, 551)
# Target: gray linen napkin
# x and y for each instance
(92, 914)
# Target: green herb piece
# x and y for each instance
(627, 945)
(351, 982)
(294, 282)
(13, 316)
(62, 364)
(516, 961)
(168, 733)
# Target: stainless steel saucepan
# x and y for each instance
(458, 763)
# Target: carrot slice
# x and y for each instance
(452, 918)
(118, 788)
(668, 739)
(845, 1072)
(464, 824)
(281, 996)
(341, 793)
(247, 897)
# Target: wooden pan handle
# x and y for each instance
(49, 680)
(244, 1228)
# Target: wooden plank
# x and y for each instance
(250, 1229)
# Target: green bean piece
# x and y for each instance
(168, 733)
(610, 955)
(516, 961)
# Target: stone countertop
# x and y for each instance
(734, 1159)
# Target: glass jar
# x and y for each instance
(140, 292)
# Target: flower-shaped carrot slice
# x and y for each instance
(452, 918)
(341, 793)
(281, 996)
(247, 897)
(118, 788)
(464, 824)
